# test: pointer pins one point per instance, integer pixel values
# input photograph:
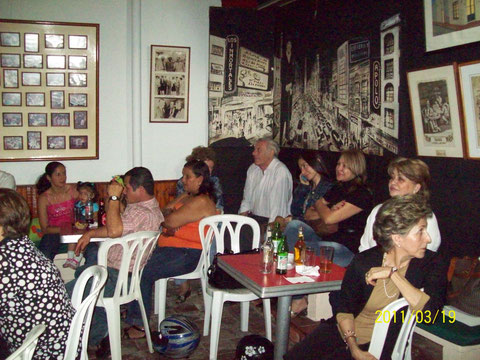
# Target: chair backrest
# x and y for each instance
(136, 248)
(214, 228)
(80, 325)
(26, 350)
(404, 339)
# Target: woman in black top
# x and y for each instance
(398, 267)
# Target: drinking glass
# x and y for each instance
(326, 259)
(310, 256)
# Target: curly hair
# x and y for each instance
(414, 170)
(14, 214)
(399, 215)
(201, 153)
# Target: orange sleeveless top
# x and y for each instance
(187, 236)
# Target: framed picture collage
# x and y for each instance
(49, 90)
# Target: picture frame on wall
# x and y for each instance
(435, 112)
(450, 24)
(469, 74)
(48, 71)
(169, 84)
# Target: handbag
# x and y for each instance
(218, 278)
(464, 284)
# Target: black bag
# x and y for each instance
(218, 278)
(464, 286)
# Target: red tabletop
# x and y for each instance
(246, 269)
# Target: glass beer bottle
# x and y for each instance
(300, 248)
(282, 257)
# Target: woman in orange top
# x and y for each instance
(179, 246)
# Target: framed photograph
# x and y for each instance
(77, 100)
(55, 61)
(10, 78)
(469, 74)
(78, 142)
(450, 23)
(12, 119)
(57, 99)
(56, 79)
(33, 61)
(35, 99)
(77, 62)
(435, 112)
(11, 99)
(216, 50)
(53, 41)
(169, 84)
(56, 142)
(37, 119)
(80, 120)
(77, 41)
(49, 74)
(34, 140)
(77, 80)
(10, 60)
(10, 39)
(60, 119)
(13, 142)
(31, 79)
(31, 42)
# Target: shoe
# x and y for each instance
(182, 298)
(302, 313)
(71, 263)
(126, 332)
(103, 350)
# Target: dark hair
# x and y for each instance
(201, 153)
(199, 168)
(254, 347)
(90, 187)
(314, 159)
(398, 215)
(14, 214)
(140, 176)
(43, 184)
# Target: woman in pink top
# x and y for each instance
(55, 206)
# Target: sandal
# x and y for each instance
(128, 335)
(182, 298)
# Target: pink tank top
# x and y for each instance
(61, 213)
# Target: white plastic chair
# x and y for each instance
(137, 246)
(161, 287)
(402, 349)
(216, 227)
(84, 309)
(26, 350)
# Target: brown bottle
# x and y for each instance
(300, 248)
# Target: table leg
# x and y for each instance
(283, 326)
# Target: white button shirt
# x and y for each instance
(268, 193)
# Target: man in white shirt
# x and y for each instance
(7, 180)
(268, 188)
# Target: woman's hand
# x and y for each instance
(375, 273)
(311, 214)
(359, 354)
(338, 205)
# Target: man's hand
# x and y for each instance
(83, 242)
(245, 213)
(114, 189)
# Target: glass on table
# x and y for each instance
(326, 259)
(310, 256)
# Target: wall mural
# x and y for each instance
(342, 97)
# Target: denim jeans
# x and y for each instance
(49, 245)
(342, 255)
(165, 262)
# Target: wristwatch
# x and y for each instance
(114, 198)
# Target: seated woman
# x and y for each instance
(341, 212)
(29, 281)
(407, 176)
(179, 246)
(399, 267)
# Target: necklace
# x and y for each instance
(384, 285)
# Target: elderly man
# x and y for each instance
(141, 214)
(268, 188)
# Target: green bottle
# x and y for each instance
(282, 257)
(276, 234)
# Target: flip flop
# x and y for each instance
(126, 332)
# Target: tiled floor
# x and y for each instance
(230, 332)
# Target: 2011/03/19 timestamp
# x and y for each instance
(420, 316)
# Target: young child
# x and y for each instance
(86, 193)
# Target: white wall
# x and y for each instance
(162, 22)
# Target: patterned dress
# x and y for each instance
(31, 293)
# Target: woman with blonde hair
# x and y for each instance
(407, 176)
